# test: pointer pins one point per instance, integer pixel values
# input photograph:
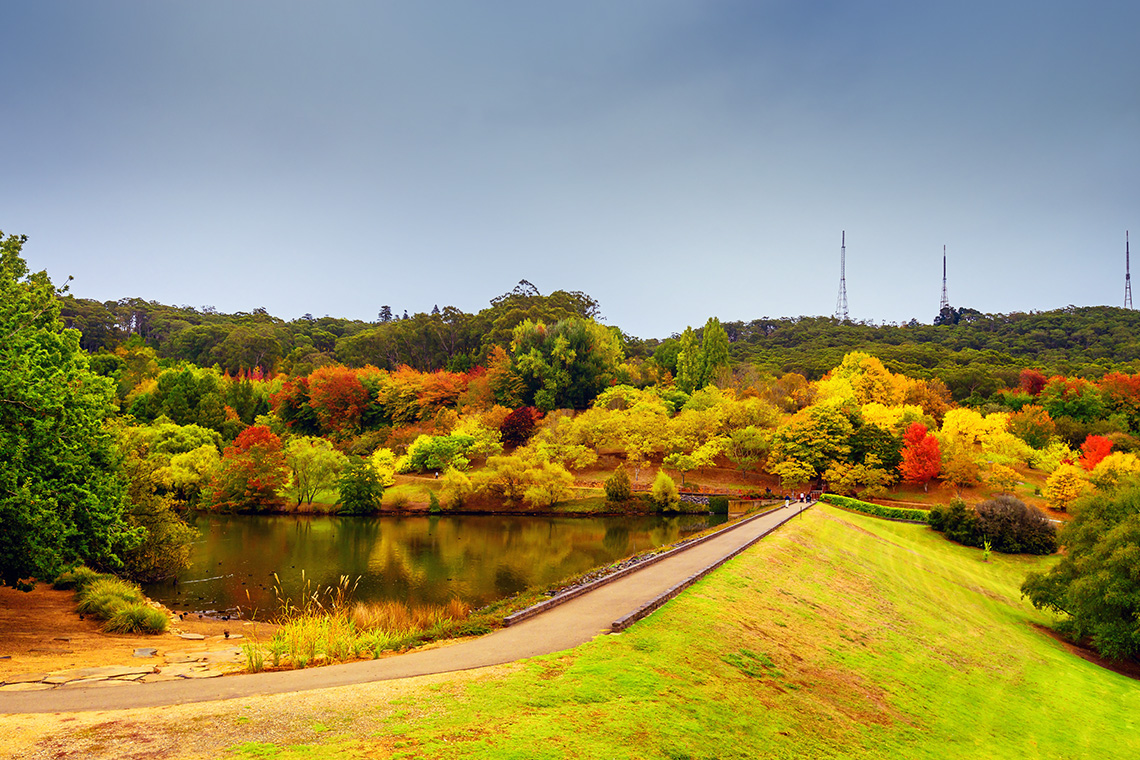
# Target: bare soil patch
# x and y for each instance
(40, 632)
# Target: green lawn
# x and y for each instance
(838, 636)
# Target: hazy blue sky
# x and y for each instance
(674, 159)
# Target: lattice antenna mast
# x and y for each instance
(1127, 275)
(841, 302)
(942, 307)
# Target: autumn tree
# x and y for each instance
(1064, 486)
(1033, 425)
(1093, 450)
(253, 472)
(921, 457)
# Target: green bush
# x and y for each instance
(718, 505)
(664, 492)
(618, 487)
(136, 618)
(359, 488)
(875, 510)
(1007, 523)
(433, 503)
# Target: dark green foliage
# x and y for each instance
(718, 505)
(1012, 527)
(619, 489)
(875, 510)
(958, 522)
(433, 503)
(360, 488)
(975, 358)
(1005, 521)
(1096, 584)
(872, 439)
(61, 494)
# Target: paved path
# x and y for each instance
(560, 628)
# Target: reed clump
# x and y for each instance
(325, 625)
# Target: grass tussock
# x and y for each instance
(119, 603)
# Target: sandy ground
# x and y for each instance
(40, 631)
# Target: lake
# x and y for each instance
(413, 559)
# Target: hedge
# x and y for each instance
(876, 510)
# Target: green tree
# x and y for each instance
(61, 494)
(359, 488)
(1095, 584)
(314, 465)
(566, 364)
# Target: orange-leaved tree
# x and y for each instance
(1093, 450)
(252, 472)
(921, 457)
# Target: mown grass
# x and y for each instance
(838, 636)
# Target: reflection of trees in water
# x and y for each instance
(419, 560)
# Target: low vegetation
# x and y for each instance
(876, 510)
(119, 603)
(1004, 524)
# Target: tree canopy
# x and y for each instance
(61, 494)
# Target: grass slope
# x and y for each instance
(838, 636)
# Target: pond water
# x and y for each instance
(413, 559)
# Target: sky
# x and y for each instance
(674, 159)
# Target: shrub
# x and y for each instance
(958, 522)
(875, 510)
(136, 618)
(433, 503)
(360, 489)
(664, 491)
(618, 487)
(1012, 527)
(718, 505)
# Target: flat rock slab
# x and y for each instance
(191, 636)
(26, 678)
(109, 671)
(180, 657)
(146, 652)
(35, 686)
(97, 683)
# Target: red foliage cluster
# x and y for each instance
(518, 427)
(921, 457)
(1093, 450)
(1032, 382)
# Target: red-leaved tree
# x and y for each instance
(1032, 381)
(252, 472)
(1093, 450)
(921, 457)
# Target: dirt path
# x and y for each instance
(563, 627)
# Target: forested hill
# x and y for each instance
(978, 355)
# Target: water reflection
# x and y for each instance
(421, 560)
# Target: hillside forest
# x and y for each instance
(119, 417)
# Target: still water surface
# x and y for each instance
(419, 560)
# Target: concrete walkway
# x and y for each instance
(563, 627)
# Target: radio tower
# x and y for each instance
(841, 302)
(1127, 275)
(942, 307)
